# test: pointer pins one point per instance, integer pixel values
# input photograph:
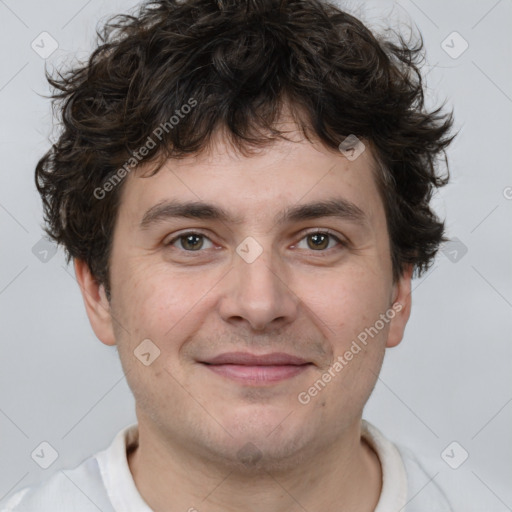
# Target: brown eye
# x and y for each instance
(321, 241)
(190, 242)
(318, 240)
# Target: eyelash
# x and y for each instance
(315, 232)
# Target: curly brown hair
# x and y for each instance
(239, 63)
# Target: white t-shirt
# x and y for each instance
(104, 482)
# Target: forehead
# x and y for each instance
(276, 184)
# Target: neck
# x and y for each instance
(346, 476)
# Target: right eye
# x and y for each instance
(190, 241)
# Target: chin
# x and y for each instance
(259, 456)
(264, 439)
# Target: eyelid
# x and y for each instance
(325, 231)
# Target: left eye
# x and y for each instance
(320, 240)
(193, 242)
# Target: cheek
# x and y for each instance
(346, 300)
(163, 306)
(352, 307)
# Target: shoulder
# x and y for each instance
(79, 489)
(84, 488)
(407, 485)
(423, 492)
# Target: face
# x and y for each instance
(258, 303)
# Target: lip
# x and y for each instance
(245, 358)
(252, 369)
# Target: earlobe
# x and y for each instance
(402, 307)
(96, 303)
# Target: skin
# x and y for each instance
(193, 422)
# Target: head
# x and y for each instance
(261, 123)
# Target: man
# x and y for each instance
(244, 189)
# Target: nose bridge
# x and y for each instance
(258, 291)
(258, 276)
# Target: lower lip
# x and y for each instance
(257, 374)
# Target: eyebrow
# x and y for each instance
(171, 209)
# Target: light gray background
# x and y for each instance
(449, 380)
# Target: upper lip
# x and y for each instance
(244, 358)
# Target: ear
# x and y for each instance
(402, 307)
(96, 303)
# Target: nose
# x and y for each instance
(259, 294)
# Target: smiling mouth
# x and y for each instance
(257, 369)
